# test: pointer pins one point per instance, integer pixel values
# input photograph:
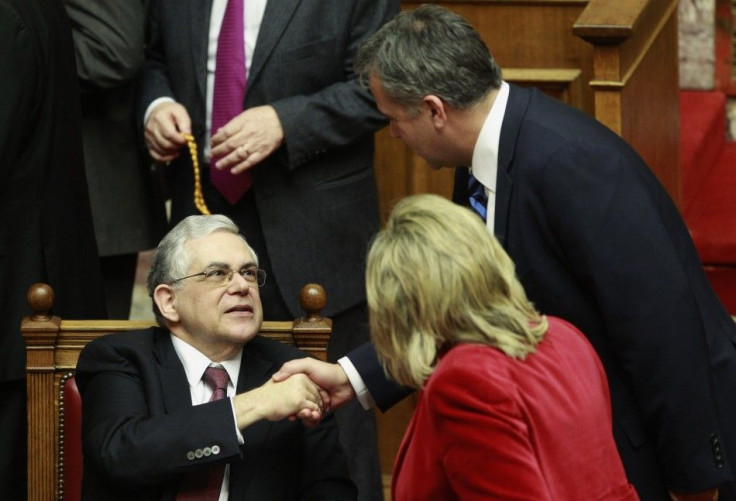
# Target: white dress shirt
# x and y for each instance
(252, 18)
(195, 363)
(485, 154)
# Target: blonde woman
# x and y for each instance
(513, 404)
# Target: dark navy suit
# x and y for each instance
(597, 241)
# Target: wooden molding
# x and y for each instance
(562, 83)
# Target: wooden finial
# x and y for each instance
(313, 299)
(41, 300)
(313, 331)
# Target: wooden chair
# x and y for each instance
(53, 345)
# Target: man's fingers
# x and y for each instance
(236, 161)
(168, 157)
(326, 403)
(309, 417)
(164, 131)
(226, 131)
(298, 366)
(312, 390)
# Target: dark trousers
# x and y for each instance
(13, 457)
(118, 277)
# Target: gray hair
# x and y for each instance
(171, 260)
(429, 50)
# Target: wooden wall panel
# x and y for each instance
(635, 68)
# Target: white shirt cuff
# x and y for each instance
(153, 104)
(361, 390)
(241, 440)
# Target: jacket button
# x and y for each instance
(190, 455)
(215, 449)
(198, 453)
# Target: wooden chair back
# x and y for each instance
(53, 345)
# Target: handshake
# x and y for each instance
(303, 389)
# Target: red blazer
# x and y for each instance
(488, 426)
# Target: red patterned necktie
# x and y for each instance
(206, 484)
(217, 379)
(229, 94)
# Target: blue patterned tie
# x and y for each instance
(477, 196)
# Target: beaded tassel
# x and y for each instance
(198, 196)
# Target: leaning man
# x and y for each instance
(186, 410)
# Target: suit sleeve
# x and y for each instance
(385, 392)
(626, 243)
(154, 81)
(483, 439)
(129, 436)
(108, 41)
(344, 111)
(325, 474)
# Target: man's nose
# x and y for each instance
(238, 283)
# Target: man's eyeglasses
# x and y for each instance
(218, 275)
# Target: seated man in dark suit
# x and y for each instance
(155, 425)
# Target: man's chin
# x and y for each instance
(243, 336)
(438, 165)
(244, 330)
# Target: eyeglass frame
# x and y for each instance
(260, 275)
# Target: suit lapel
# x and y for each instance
(275, 19)
(174, 385)
(515, 110)
(254, 372)
(199, 28)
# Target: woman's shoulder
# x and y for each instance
(471, 368)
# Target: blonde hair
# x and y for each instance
(436, 277)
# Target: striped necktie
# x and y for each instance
(477, 197)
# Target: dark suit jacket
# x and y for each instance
(316, 196)
(138, 424)
(108, 42)
(46, 230)
(597, 241)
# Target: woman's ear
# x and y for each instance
(164, 297)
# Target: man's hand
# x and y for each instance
(165, 129)
(331, 378)
(295, 396)
(247, 139)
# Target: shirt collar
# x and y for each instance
(195, 362)
(485, 154)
